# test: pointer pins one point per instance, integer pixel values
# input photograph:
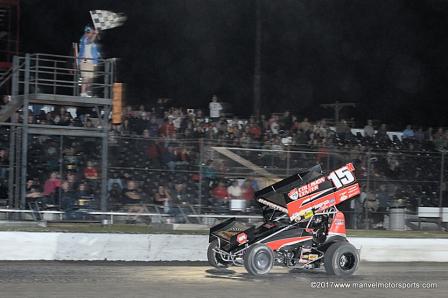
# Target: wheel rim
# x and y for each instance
(347, 261)
(262, 260)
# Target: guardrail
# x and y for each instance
(107, 214)
(110, 215)
(434, 212)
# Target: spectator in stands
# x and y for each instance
(72, 181)
(381, 134)
(215, 109)
(153, 153)
(33, 193)
(273, 124)
(277, 144)
(183, 156)
(89, 123)
(384, 198)
(300, 138)
(375, 214)
(132, 198)
(163, 198)
(88, 59)
(68, 197)
(439, 139)
(343, 130)
(305, 125)
(161, 107)
(125, 127)
(131, 194)
(178, 205)
(4, 163)
(369, 131)
(420, 135)
(51, 184)
(115, 196)
(254, 130)
(234, 190)
(153, 127)
(167, 130)
(178, 193)
(84, 191)
(429, 134)
(90, 172)
(220, 197)
(219, 192)
(286, 121)
(247, 191)
(169, 158)
(408, 133)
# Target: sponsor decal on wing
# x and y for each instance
(293, 194)
(241, 238)
(273, 206)
(308, 188)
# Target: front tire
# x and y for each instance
(258, 259)
(341, 259)
(214, 259)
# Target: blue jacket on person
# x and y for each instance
(95, 53)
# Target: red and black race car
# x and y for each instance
(302, 227)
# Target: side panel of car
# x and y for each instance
(337, 226)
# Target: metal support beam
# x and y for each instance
(25, 111)
(108, 77)
(17, 168)
(105, 160)
(68, 100)
(338, 106)
(62, 132)
(257, 60)
(12, 160)
(441, 189)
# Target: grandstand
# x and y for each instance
(164, 164)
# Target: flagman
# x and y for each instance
(88, 59)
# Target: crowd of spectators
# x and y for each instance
(156, 159)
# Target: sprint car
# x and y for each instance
(302, 228)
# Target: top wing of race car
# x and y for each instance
(301, 195)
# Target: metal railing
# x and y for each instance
(60, 75)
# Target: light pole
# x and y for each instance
(257, 61)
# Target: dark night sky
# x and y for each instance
(388, 56)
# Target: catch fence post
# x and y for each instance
(441, 188)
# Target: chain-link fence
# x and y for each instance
(177, 178)
(400, 189)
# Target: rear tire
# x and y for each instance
(258, 259)
(214, 259)
(341, 259)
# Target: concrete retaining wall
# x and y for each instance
(166, 247)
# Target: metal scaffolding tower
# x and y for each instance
(54, 80)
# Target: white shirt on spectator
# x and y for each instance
(234, 191)
(369, 131)
(88, 52)
(215, 109)
(177, 122)
(274, 128)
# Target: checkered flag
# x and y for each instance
(104, 19)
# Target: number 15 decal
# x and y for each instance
(342, 176)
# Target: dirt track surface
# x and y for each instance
(103, 279)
